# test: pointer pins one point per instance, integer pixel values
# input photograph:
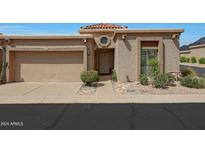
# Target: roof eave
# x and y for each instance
(147, 31)
(46, 37)
(197, 46)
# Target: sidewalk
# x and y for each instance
(41, 93)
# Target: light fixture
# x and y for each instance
(84, 40)
(124, 36)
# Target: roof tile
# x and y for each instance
(104, 26)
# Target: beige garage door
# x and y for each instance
(48, 66)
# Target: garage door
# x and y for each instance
(48, 66)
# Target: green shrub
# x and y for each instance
(154, 67)
(88, 77)
(188, 72)
(192, 82)
(201, 60)
(188, 60)
(182, 59)
(193, 60)
(171, 79)
(3, 67)
(114, 75)
(144, 79)
(160, 81)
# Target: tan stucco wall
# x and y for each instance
(46, 42)
(126, 51)
(127, 55)
(171, 56)
(125, 59)
(197, 52)
(186, 54)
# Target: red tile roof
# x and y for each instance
(104, 26)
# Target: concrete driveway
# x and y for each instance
(66, 92)
(37, 92)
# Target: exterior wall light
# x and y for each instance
(84, 40)
(124, 36)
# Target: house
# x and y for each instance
(102, 47)
(197, 51)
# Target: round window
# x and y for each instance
(104, 40)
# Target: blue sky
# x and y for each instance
(193, 31)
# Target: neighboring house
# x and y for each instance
(197, 51)
(102, 47)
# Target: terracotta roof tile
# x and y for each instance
(104, 26)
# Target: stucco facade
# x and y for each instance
(62, 58)
(197, 51)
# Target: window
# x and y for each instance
(103, 40)
(146, 55)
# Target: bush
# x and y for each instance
(3, 67)
(170, 78)
(201, 60)
(88, 77)
(114, 75)
(192, 82)
(183, 59)
(188, 72)
(144, 79)
(193, 60)
(188, 60)
(154, 67)
(161, 81)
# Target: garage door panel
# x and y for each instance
(50, 66)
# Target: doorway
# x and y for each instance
(104, 61)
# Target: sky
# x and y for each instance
(192, 31)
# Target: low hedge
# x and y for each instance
(183, 59)
(88, 77)
(201, 60)
(193, 60)
(193, 82)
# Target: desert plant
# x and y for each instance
(171, 79)
(188, 72)
(183, 59)
(202, 60)
(188, 60)
(144, 79)
(193, 60)
(3, 67)
(114, 75)
(88, 77)
(154, 67)
(192, 82)
(161, 81)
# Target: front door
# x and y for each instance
(104, 63)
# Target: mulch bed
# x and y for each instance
(125, 88)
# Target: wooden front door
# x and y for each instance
(104, 63)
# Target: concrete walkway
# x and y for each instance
(65, 92)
